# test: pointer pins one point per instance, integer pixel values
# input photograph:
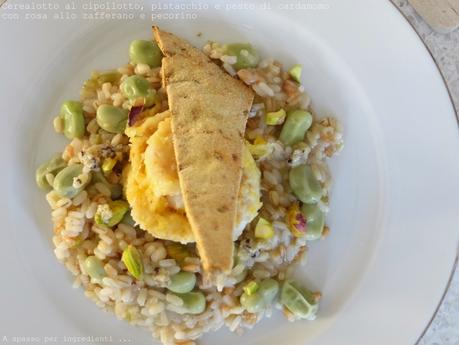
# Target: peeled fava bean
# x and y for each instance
(254, 303)
(247, 56)
(64, 181)
(52, 166)
(256, 300)
(301, 302)
(112, 119)
(73, 119)
(94, 268)
(145, 52)
(304, 184)
(295, 127)
(268, 288)
(315, 219)
(135, 87)
(182, 282)
(193, 302)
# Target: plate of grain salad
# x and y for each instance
(142, 226)
(222, 180)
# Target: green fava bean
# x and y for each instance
(315, 219)
(304, 184)
(94, 268)
(40, 176)
(146, 52)
(300, 302)
(193, 302)
(72, 115)
(263, 297)
(112, 119)
(56, 163)
(52, 166)
(268, 288)
(135, 87)
(253, 303)
(182, 282)
(247, 56)
(295, 127)
(151, 98)
(63, 182)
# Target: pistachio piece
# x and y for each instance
(112, 213)
(108, 164)
(276, 117)
(264, 229)
(251, 288)
(295, 72)
(133, 261)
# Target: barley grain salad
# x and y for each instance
(193, 181)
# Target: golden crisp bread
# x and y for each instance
(209, 114)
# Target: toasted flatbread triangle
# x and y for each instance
(209, 114)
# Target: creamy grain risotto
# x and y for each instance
(121, 214)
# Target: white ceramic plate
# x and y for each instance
(394, 215)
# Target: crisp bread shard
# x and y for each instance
(209, 114)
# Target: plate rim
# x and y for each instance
(456, 112)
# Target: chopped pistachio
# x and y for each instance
(112, 213)
(251, 288)
(108, 164)
(260, 148)
(133, 261)
(276, 118)
(295, 72)
(264, 229)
